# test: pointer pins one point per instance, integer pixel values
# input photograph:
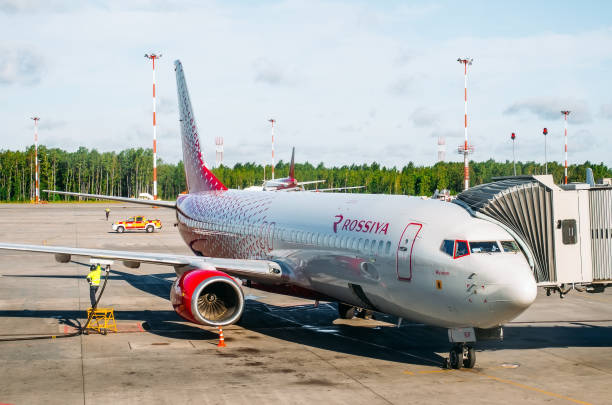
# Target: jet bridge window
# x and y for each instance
(484, 247)
(568, 229)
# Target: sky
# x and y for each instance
(347, 81)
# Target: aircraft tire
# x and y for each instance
(346, 311)
(471, 358)
(364, 313)
(456, 357)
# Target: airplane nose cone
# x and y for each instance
(523, 293)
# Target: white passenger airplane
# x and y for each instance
(423, 260)
(291, 184)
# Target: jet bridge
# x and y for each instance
(565, 231)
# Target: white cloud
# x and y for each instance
(20, 66)
(550, 109)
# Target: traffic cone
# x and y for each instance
(221, 338)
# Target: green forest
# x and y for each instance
(130, 172)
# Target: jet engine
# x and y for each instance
(207, 297)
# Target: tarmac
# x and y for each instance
(286, 350)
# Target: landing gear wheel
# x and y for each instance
(346, 311)
(456, 357)
(150, 229)
(469, 359)
(120, 229)
(364, 313)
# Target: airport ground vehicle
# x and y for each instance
(422, 260)
(138, 223)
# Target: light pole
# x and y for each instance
(545, 132)
(513, 136)
(465, 149)
(36, 184)
(272, 121)
(565, 114)
(153, 57)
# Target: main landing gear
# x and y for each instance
(461, 355)
(346, 311)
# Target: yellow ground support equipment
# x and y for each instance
(102, 320)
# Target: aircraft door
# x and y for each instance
(405, 247)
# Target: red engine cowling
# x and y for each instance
(207, 297)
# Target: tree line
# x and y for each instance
(130, 172)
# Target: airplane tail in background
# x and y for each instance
(292, 166)
(199, 178)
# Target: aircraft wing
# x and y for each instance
(336, 189)
(257, 270)
(302, 183)
(155, 203)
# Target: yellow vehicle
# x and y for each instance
(137, 223)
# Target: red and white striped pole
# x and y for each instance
(272, 120)
(565, 114)
(466, 149)
(153, 57)
(36, 183)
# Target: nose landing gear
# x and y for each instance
(462, 355)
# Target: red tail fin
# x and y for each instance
(199, 178)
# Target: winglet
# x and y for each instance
(199, 178)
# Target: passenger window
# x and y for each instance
(388, 248)
(509, 246)
(360, 244)
(373, 247)
(381, 244)
(568, 229)
(447, 247)
(130, 219)
(461, 249)
(484, 247)
(138, 219)
(319, 239)
(366, 244)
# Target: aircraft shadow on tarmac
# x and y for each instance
(314, 327)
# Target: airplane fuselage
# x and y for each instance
(381, 252)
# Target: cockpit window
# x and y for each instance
(461, 249)
(509, 246)
(484, 247)
(448, 246)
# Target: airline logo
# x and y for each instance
(360, 225)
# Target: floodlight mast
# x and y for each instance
(513, 137)
(467, 149)
(545, 132)
(272, 121)
(154, 56)
(36, 181)
(565, 114)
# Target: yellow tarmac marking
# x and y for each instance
(527, 387)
